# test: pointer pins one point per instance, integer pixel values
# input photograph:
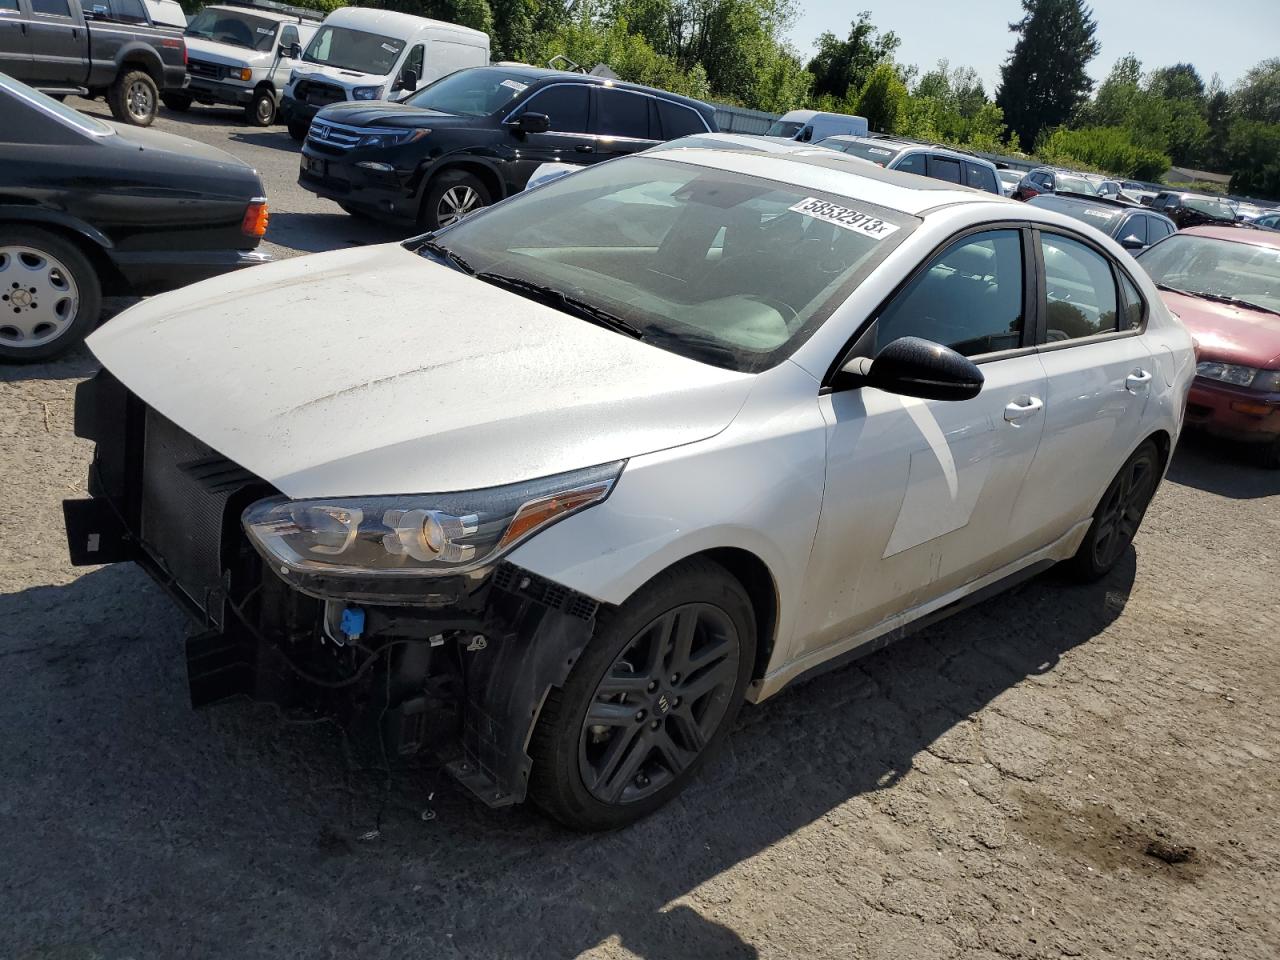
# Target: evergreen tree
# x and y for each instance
(1044, 81)
(842, 67)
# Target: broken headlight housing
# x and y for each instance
(390, 547)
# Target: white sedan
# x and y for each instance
(596, 465)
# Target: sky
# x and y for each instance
(1226, 37)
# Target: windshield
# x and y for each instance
(1220, 268)
(1010, 176)
(1067, 184)
(784, 128)
(726, 268)
(471, 93)
(867, 151)
(356, 50)
(51, 107)
(233, 27)
(1218, 209)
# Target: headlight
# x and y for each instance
(394, 138)
(388, 548)
(242, 73)
(366, 93)
(1231, 373)
(1267, 381)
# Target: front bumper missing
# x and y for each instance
(466, 680)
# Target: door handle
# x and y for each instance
(1022, 408)
(1136, 380)
(585, 148)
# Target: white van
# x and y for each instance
(364, 54)
(810, 126)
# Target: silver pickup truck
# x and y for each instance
(109, 48)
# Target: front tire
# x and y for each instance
(176, 102)
(648, 703)
(261, 110)
(451, 196)
(1118, 516)
(298, 129)
(50, 296)
(134, 98)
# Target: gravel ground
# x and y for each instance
(1009, 783)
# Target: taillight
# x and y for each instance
(255, 219)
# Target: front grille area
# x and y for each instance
(205, 69)
(318, 94)
(186, 489)
(336, 136)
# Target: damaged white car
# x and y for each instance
(555, 490)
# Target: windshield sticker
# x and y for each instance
(881, 153)
(845, 217)
(515, 85)
(266, 31)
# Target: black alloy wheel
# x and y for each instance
(648, 701)
(1118, 516)
(659, 704)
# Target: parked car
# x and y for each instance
(1048, 180)
(927, 160)
(1193, 209)
(365, 54)
(476, 136)
(590, 468)
(88, 209)
(1224, 283)
(810, 126)
(240, 53)
(1009, 180)
(1132, 226)
(113, 50)
(1268, 221)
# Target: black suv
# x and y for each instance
(1132, 226)
(1193, 209)
(476, 136)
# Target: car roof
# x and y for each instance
(901, 145)
(818, 168)
(1077, 201)
(405, 24)
(536, 74)
(1257, 238)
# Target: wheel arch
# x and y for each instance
(141, 55)
(89, 241)
(478, 168)
(761, 588)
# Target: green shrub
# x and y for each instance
(1108, 149)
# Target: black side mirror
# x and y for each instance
(291, 51)
(531, 123)
(913, 367)
(408, 80)
(1132, 243)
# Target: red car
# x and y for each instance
(1224, 283)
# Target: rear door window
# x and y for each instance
(51, 8)
(944, 168)
(678, 121)
(1136, 226)
(128, 11)
(622, 114)
(565, 104)
(1080, 290)
(1135, 308)
(1158, 229)
(981, 177)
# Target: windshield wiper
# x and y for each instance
(1219, 298)
(444, 253)
(565, 302)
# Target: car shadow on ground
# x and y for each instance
(233, 830)
(319, 232)
(274, 138)
(1222, 467)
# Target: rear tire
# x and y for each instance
(298, 129)
(261, 110)
(452, 195)
(663, 678)
(134, 98)
(50, 297)
(176, 102)
(1118, 516)
(1268, 455)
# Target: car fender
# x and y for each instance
(487, 167)
(38, 216)
(692, 499)
(135, 51)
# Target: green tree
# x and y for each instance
(1253, 152)
(844, 65)
(1218, 117)
(1044, 80)
(1179, 82)
(883, 99)
(1257, 97)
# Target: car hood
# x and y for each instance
(348, 79)
(376, 371)
(1229, 333)
(227, 54)
(181, 149)
(383, 113)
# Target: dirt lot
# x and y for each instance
(1002, 785)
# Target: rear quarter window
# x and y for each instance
(981, 177)
(679, 121)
